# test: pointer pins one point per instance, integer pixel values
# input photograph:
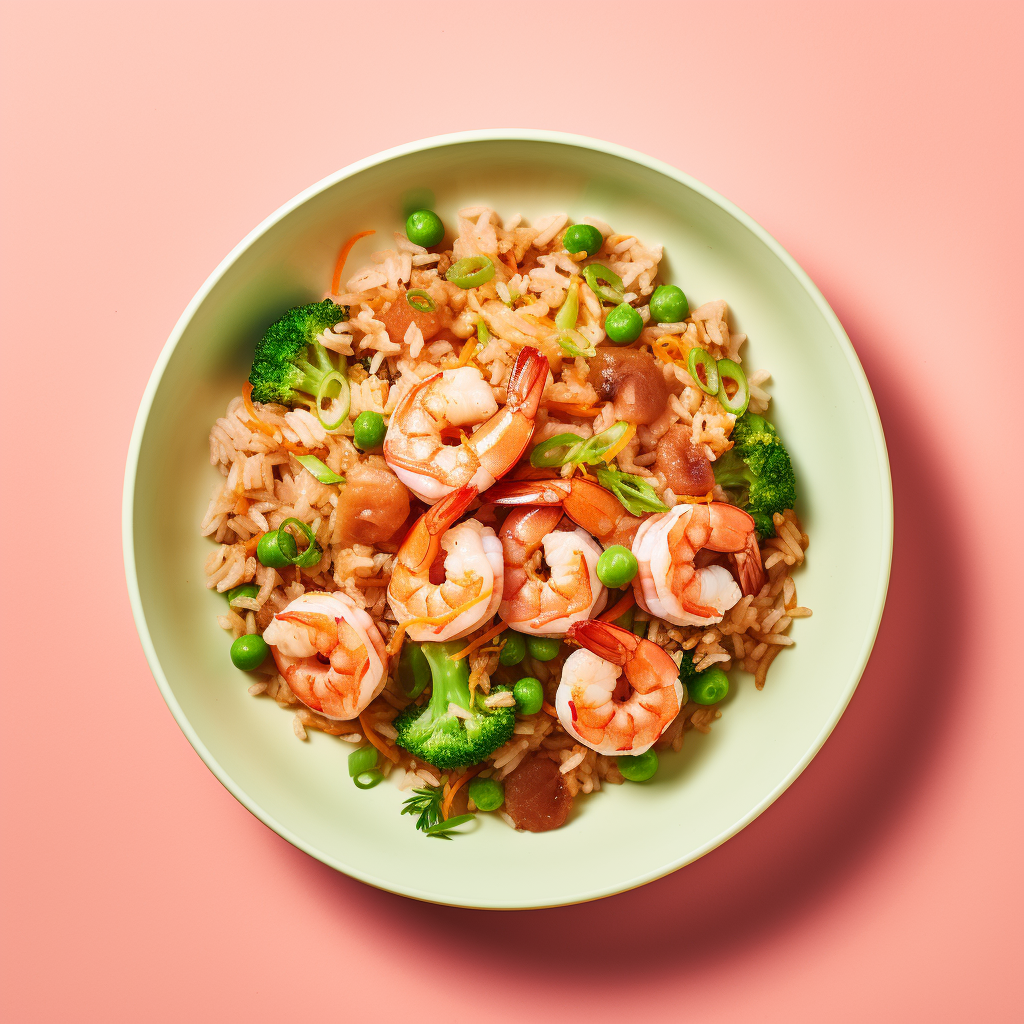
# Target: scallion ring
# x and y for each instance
(595, 447)
(604, 283)
(339, 402)
(737, 402)
(321, 472)
(420, 300)
(565, 318)
(312, 554)
(559, 450)
(699, 360)
(470, 272)
(575, 344)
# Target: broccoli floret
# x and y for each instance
(432, 733)
(289, 364)
(757, 472)
(687, 672)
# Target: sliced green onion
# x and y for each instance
(575, 344)
(323, 473)
(697, 360)
(340, 402)
(362, 760)
(604, 283)
(424, 303)
(737, 404)
(471, 272)
(413, 670)
(595, 447)
(556, 451)
(367, 780)
(483, 336)
(635, 494)
(312, 554)
(565, 318)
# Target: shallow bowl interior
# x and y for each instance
(627, 834)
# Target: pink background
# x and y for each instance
(881, 144)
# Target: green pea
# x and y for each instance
(245, 590)
(368, 430)
(582, 238)
(710, 686)
(515, 648)
(638, 768)
(529, 695)
(367, 780)
(623, 324)
(616, 566)
(487, 794)
(277, 549)
(249, 652)
(669, 305)
(424, 227)
(362, 760)
(543, 648)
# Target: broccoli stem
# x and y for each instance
(450, 679)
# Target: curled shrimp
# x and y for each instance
(619, 692)
(329, 652)
(587, 504)
(671, 586)
(548, 604)
(434, 409)
(472, 572)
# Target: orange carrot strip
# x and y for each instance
(572, 409)
(693, 499)
(387, 751)
(548, 710)
(253, 542)
(479, 641)
(256, 422)
(627, 436)
(620, 607)
(454, 787)
(343, 256)
(437, 620)
(467, 351)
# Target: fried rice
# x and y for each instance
(261, 483)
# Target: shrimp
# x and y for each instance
(587, 504)
(472, 566)
(669, 584)
(415, 443)
(572, 592)
(618, 693)
(329, 652)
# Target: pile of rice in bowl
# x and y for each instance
(358, 521)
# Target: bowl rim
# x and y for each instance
(438, 142)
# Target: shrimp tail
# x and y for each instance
(606, 640)
(420, 547)
(526, 383)
(748, 566)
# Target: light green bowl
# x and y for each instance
(625, 835)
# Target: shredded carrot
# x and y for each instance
(342, 257)
(241, 507)
(467, 351)
(254, 419)
(620, 607)
(479, 641)
(455, 786)
(571, 409)
(548, 710)
(384, 748)
(253, 542)
(437, 620)
(693, 499)
(627, 436)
